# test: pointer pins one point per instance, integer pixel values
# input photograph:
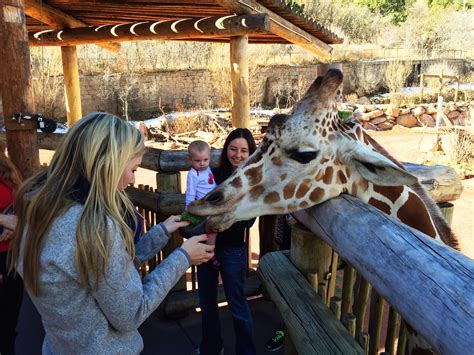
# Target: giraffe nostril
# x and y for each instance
(214, 197)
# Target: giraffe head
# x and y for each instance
(304, 159)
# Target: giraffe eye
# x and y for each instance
(303, 157)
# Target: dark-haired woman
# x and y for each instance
(231, 251)
(11, 285)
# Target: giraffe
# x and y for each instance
(310, 156)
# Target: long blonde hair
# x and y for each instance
(96, 149)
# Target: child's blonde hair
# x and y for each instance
(96, 150)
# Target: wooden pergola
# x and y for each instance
(68, 23)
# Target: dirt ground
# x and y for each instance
(404, 144)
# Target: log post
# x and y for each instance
(71, 84)
(171, 183)
(311, 254)
(422, 79)
(393, 319)
(16, 90)
(239, 76)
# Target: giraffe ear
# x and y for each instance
(376, 168)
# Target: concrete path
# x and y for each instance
(162, 335)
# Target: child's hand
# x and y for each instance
(172, 223)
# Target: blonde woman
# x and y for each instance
(75, 250)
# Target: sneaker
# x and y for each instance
(276, 342)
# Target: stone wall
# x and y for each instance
(149, 94)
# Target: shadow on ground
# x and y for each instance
(163, 335)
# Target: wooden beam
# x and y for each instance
(58, 19)
(281, 27)
(428, 283)
(16, 88)
(312, 327)
(239, 76)
(190, 28)
(71, 84)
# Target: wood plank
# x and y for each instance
(312, 326)
(189, 28)
(58, 19)
(281, 27)
(437, 301)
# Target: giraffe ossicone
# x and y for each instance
(310, 156)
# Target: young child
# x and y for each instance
(200, 179)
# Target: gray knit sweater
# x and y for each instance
(78, 321)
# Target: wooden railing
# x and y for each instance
(430, 285)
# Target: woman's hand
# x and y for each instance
(197, 251)
(172, 223)
(8, 221)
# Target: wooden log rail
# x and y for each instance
(311, 325)
(441, 182)
(181, 29)
(429, 284)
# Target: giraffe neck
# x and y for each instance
(400, 202)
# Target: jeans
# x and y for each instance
(233, 269)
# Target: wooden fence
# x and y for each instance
(428, 284)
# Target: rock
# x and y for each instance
(405, 111)
(453, 114)
(361, 109)
(461, 119)
(378, 120)
(391, 118)
(407, 120)
(392, 111)
(365, 117)
(427, 120)
(418, 111)
(431, 109)
(363, 100)
(384, 126)
(369, 126)
(377, 113)
(371, 108)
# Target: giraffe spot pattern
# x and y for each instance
(317, 194)
(272, 197)
(237, 182)
(420, 220)
(289, 190)
(276, 160)
(328, 175)
(254, 175)
(390, 192)
(382, 206)
(341, 178)
(304, 205)
(303, 188)
(255, 192)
